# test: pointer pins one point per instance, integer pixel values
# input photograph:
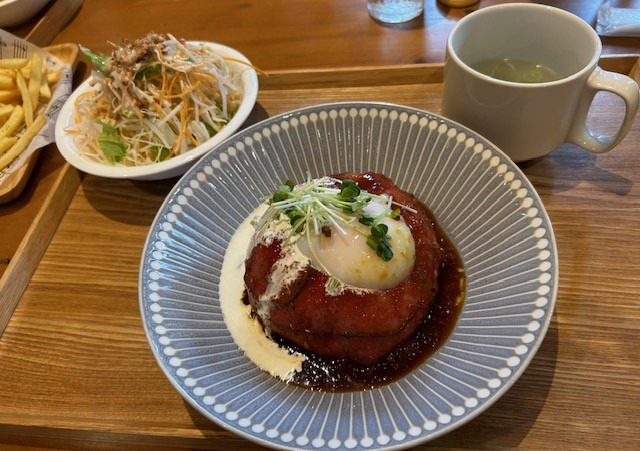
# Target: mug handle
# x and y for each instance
(601, 80)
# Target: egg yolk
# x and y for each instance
(348, 258)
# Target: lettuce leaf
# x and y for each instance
(110, 143)
(160, 153)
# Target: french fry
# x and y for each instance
(53, 76)
(14, 121)
(34, 80)
(5, 111)
(8, 95)
(26, 99)
(8, 73)
(22, 142)
(6, 143)
(7, 82)
(26, 70)
(45, 91)
(13, 63)
(23, 82)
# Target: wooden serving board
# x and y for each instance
(76, 369)
(27, 223)
(13, 185)
(23, 242)
(57, 14)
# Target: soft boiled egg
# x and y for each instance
(346, 256)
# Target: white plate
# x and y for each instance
(172, 167)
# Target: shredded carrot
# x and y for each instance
(193, 140)
(173, 80)
(75, 105)
(186, 92)
(164, 83)
(206, 76)
(257, 69)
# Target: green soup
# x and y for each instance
(519, 71)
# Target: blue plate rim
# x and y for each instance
(353, 104)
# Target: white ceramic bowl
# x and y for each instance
(14, 12)
(172, 167)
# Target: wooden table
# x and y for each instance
(300, 34)
(75, 368)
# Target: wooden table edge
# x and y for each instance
(33, 246)
(84, 435)
(394, 74)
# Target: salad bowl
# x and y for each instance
(173, 166)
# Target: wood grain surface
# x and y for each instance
(17, 216)
(27, 225)
(75, 368)
(76, 371)
(49, 24)
(292, 34)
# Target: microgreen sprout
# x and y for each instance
(317, 205)
(379, 241)
(333, 284)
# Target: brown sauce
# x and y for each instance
(325, 374)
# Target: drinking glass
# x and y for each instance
(395, 11)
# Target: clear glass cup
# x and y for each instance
(395, 11)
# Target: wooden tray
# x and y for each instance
(15, 183)
(75, 364)
(27, 223)
(57, 14)
(29, 245)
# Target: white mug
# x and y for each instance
(528, 120)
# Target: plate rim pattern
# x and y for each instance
(486, 146)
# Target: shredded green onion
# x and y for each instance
(324, 202)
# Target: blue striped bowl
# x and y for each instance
(481, 199)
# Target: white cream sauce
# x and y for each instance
(246, 331)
